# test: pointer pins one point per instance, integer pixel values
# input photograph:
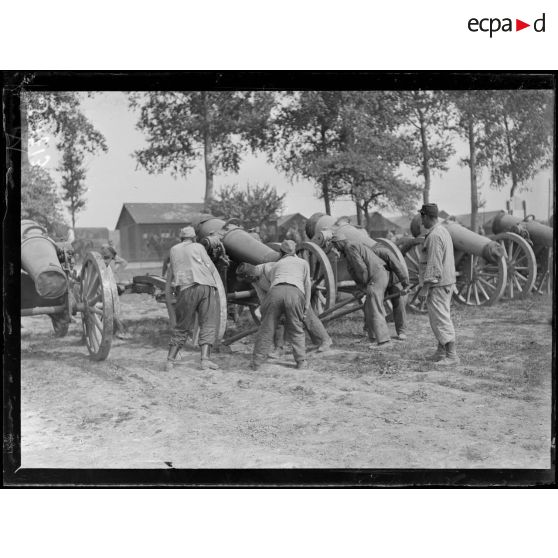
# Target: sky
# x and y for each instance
(113, 179)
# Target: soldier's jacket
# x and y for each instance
(364, 263)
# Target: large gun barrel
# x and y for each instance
(39, 259)
(465, 240)
(320, 228)
(240, 245)
(539, 234)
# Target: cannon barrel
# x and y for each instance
(240, 245)
(465, 240)
(539, 234)
(40, 260)
(320, 228)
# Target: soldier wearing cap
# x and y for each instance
(288, 296)
(437, 279)
(192, 271)
(371, 268)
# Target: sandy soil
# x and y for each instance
(355, 407)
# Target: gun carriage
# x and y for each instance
(528, 249)
(50, 285)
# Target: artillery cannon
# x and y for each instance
(528, 248)
(480, 265)
(51, 286)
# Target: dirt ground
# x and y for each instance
(356, 407)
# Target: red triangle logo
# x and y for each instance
(519, 25)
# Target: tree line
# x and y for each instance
(353, 145)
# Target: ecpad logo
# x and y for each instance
(492, 25)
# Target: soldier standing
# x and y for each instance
(289, 296)
(437, 277)
(193, 273)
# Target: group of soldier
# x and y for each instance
(284, 291)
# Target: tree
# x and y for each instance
(59, 114)
(519, 139)
(181, 126)
(41, 203)
(254, 206)
(474, 115)
(305, 130)
(427, 118)
(73, 187)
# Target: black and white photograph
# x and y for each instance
(312, 278)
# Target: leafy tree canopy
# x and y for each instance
(254, 206)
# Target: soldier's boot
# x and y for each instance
(302, 365)
(439, 355)
(205, 363)
(451, 357)
(171, 357)
(325, 346)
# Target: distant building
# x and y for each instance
(379, 226)
(148, 230)
(291, 227)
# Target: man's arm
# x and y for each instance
(392, 263)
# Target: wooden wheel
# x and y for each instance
(480, 282)
(395, 250)
(521, 265)
(411, 253)
(324, 291)
(170, 301)
(543, 283)
(98, 305)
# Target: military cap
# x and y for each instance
(430, 209)
(187, 232)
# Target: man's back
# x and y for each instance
(191, 264)
(362, 262)
(292, 270)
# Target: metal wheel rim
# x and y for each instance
(324, 291)
(98, 306)
(480, 283)
(521, 265)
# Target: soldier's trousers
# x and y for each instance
(438, 304)
(282, 300)
(312, 325)
(200, 300)
(374, 311)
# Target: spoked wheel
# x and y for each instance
(170, 301)
(521, 265)
(412, 257)
(98, 305)
(480, 282)
(324, 290)
(543, 283)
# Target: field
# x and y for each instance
(356, 407)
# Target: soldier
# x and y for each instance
(437, 278)
(289, 296)
(261, 277)
(193, 273)
(370, 273)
